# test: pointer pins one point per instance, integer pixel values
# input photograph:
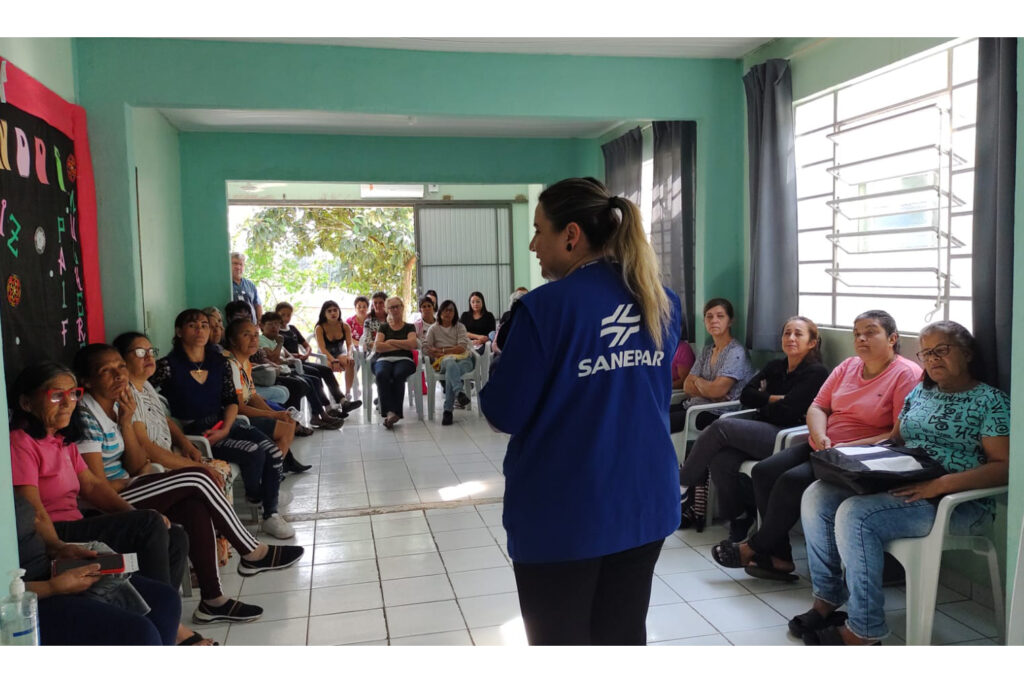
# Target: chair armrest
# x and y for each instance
(746, 413)
(678, 396)
(705, 407)
(318, 358)
(202, 443)
(951, 500)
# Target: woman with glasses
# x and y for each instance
(447, 344)
(958, 420)
(109, 445)
(393, 362)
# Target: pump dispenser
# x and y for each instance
(19, 614)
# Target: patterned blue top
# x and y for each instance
(950, 426)
(732, 361)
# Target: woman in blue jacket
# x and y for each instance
(591, 480)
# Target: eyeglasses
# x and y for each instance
(58, 395)
(937, 351)
(395, 308)
(140, 352)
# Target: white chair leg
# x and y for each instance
(922, 585)
(995, 577)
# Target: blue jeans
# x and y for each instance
(842, 527)
(276, 393)
(453, 371)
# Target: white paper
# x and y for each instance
(131, 563)
(897, 463)
(862, 450)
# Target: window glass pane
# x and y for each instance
(908, 313)
(813, 114)
(813, 278)
(961, 312)
(963, 145)
(965, 105)
(963, 189)
(965, 62)
(814, 246)
(813, 213)
(817, 308)
(814, 180)
(960, 273)
(913, 80)
(812, 148)
(963, 230)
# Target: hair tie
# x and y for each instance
(611, 200)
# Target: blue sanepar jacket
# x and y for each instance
(590, 469)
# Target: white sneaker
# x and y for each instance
(276, 526)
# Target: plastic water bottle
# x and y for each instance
(19, 614)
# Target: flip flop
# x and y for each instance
(763, 569)
(197, 638)
(727, 554)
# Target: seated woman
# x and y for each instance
(720, 370)
(48, 472)
(433, 297)
(296, 345)
(188, 496)
(355, 323)
(971, 441)
(70, 614)
(216, 325)
(427, 317)
(377, 318)
(682, 360)
(394, 344)
(196, 381)
(781, 393)
(479, 322)
(448, 347)
(279, 425)
(335, 340)
(858, 404)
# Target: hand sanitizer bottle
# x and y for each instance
(19, 614)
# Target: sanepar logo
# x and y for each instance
(621, 325)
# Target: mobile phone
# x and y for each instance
(110, 563)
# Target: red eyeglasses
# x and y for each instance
(57, 395)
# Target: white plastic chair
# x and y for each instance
(413, 384)
(922, 556)
(690, 431)
(472, 382)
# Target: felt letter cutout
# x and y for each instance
(23, 157)
(5, 165)
(41, 162)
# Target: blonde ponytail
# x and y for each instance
(628, 245)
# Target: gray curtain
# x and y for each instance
(623, 159)
(673, 216)
(773, 293)
(994, 177)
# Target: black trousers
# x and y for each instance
(779, 484)
(162, 552)
(598, 601)
(324, 374)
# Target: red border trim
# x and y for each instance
(32, 97)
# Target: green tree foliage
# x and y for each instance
(294, 249)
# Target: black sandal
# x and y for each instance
(763, 569)
(197, 638)
(811, 621)
(827, 636)
(727, 554)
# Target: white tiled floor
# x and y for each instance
(427, 564)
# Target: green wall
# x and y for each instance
(118, 74)
(155, 152)
(1015, 507)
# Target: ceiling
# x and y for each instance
(698, 48)
(352, 123)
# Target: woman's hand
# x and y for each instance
(820, 442)
(933, 488)
(217, 476)
(190, 451)
(75, 580)
(125, 407)
(72, 551)
(216, 435)
(283, 416)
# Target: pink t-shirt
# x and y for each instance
(52, 466)
(684, 358)
(860, 408)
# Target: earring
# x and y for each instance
(568, 247)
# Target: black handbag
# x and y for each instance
(875, 467)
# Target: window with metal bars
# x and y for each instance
(885, 184)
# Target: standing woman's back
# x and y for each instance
(583, 388)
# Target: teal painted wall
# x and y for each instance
(115, 74)
(1015, 507)
(48, 60)
(155, 151)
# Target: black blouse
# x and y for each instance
(798, 389)
(483, 325)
